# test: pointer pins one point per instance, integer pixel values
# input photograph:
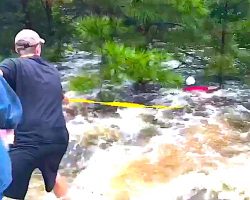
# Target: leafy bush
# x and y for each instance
(122, 63)
(84, 83)
(53, 54)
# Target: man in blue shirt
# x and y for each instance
(41, 138)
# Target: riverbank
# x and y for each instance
(198, 152)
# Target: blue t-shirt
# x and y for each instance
(37, 84)
(10, 106)
(5, 169)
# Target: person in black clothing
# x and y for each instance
(41, 138)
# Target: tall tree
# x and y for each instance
(225, 17)
(47, 5)
(27, 20)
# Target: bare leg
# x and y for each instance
(61, 187)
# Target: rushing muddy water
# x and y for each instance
(199, 152)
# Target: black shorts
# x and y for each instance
(25, 159)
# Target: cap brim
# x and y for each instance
(42, 41)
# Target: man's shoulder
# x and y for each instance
(7, 66)
(43, 61)
(7, 62)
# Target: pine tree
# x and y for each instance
(226, 19)
(134, 25)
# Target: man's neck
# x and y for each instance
(28, 55)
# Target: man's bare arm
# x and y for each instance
(1, 72)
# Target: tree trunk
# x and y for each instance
(27, 20)
(48, 10)
(223, 42)
(49, 17)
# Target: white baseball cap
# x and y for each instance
(29, 36)
(190, 80)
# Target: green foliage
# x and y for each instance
(53, 54)
(126, 63)
(62, 24)
(182, 24)
(190, 6)
(95, 30)
(16, 15)
(120, 61)
(124, 31)
(84, 83)
(242, 34)
(10, 12)
(243, 58)
(230, 11)
(228, 30)
(224, 63)
(145, 10)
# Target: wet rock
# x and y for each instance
(146, 87)
(238, 118)
(62, 67)
(239, 124)
(220, 101)
(201, 114)
(71, 110)
(149, 132)
(73, 156)
(246, 105)
(188, 109)
(104, 144)
(200, 109)
(125, 94)
(178, 113)
(145, 135)
(139, 99)
(83, 109)
(144, 98)
(115, 126)
(106, 95)
(199, 194)
(179, 126)
(189, 100)
(148, 118)
(172, 64)
(168, 114)
(165, 125)
(106, 111)
(97, 134)
(204, 121)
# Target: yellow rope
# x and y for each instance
(122, 104)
